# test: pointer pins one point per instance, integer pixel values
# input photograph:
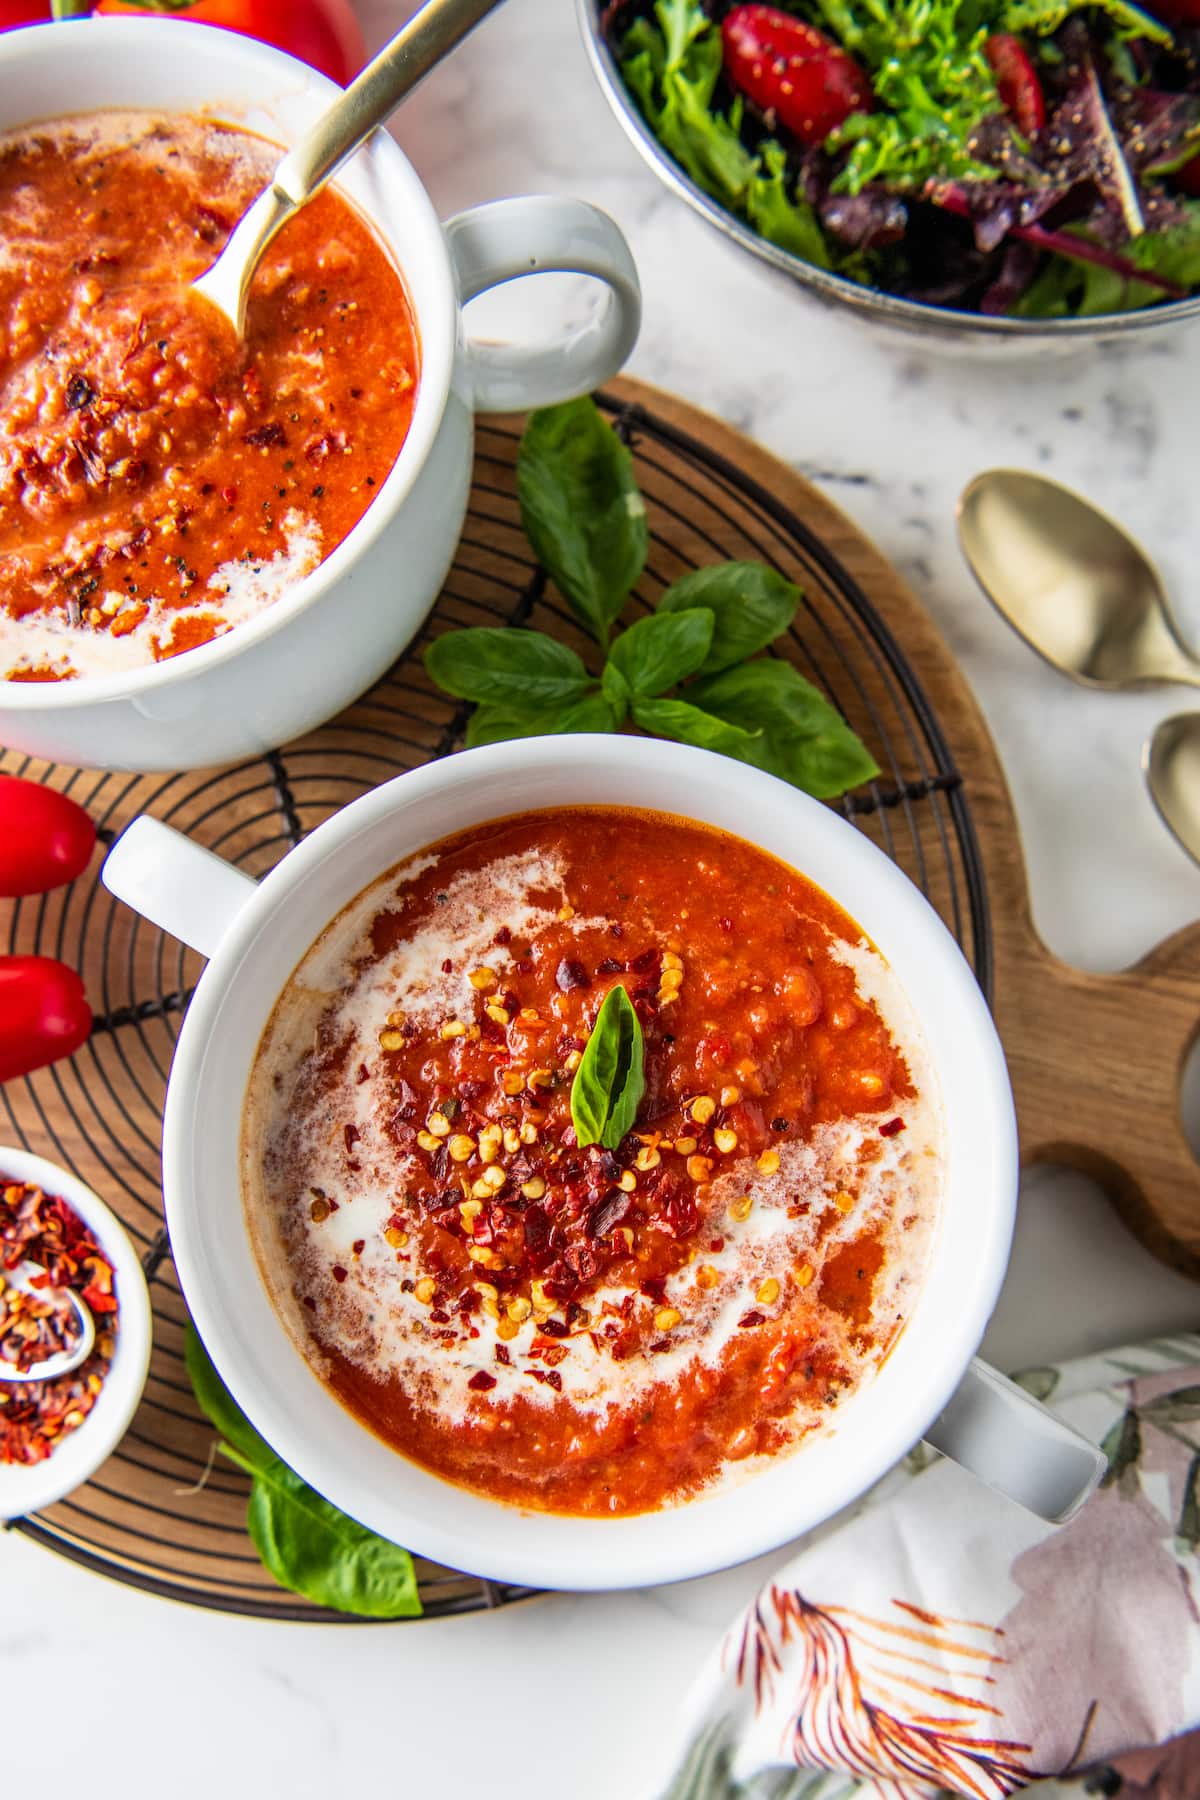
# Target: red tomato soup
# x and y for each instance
(161, 482)
(569, 1327)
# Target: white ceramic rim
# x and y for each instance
(27, 1490)
(436, 334)
(894, 1408)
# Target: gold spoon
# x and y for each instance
(370, 99)
(1069, 581)
(1171, 760)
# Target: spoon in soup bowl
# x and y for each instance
(30, 1278)
(437, 29)
(1077, 588)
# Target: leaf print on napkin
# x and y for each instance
(871, 1696)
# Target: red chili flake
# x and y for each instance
(659, 1346)
(751, 1318)
(716, 1245)
(310, 1303)
(725, 924)
(617, 931)
(447, 966)
(503, 936)
(655, 1287)
(44, 1229)
(364, 1074)
(80, 393)
(570, 975)
(358, 1246)
(339, 1274)
(482, 1381)
(893, 1128)
(439, 1317)
(229, 494)
(351, 1134)
(266, 437)
(554, 1328)
(608, 1213)
(610, 966)
(644, 962)
(554, 1380)
(779, 1124)
(98, 1299)
(502, 1355)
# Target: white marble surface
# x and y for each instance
(577, 1696)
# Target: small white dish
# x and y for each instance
(77, 1457)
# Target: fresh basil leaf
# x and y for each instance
(506, 664)
(610, 1080)
(798, 734)
(749, 602)
(497, 724)
(615, 689)
(218, 1405)
(665, 648)
(582, 510)
(688, 725)
(313, 1549)
(304, 1541)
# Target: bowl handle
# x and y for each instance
(1004, 1437)
(536, 235)
(176, 884)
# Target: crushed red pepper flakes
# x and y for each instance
(482, 1382)
(43, 1228)
(892, 1129)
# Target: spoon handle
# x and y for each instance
(375, 94)
(370, 99)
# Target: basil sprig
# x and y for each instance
(610, 1080)
(681, 673)
(304, 1542)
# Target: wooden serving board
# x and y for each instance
(1095, 1060)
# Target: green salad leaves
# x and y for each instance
(682, 672)
(305, 1542)
(943, 191)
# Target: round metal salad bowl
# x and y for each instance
(945, 325)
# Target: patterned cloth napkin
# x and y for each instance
(937, 1640)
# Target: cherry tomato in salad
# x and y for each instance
(44, 1013)
(45, 838)
(1017, 80)
(323, 33)
(794, 71)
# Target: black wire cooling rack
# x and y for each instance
(158, 1515)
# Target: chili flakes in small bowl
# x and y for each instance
(43, 1228)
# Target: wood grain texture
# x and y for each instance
(1096, 1060)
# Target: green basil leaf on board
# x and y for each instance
(496, 724)
(218, 1404)
(582, 510)
(616, 690)
(506, 665)
(666, 648)
(688, 725)
(304, 1541)
(610, 1081)
(798, 734)
(315, 1550)
(749, 602)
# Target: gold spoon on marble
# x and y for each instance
(1087, 598)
